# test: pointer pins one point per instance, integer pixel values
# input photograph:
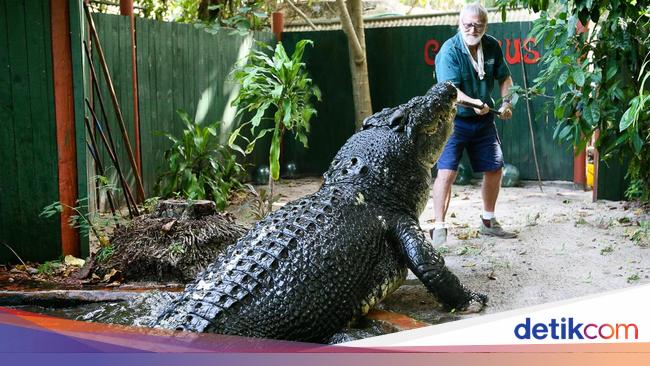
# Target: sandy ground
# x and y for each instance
(568, 246)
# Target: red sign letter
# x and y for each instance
(535, 57)
(516, 58)
(431, 48)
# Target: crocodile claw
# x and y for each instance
(476, 303)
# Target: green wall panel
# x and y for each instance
(181, 67)
(28, 154)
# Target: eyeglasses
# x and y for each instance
(478, 26)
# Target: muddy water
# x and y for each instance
(142, 309)
(139, 310)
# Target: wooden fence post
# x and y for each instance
(277, 24)
(65, 121)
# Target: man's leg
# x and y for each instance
(441, 197)
(486, 156)
(490, 192)
(447, 166)
(490, 189)
(442, 193)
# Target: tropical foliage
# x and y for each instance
(276, 84)
(199, 167)
(597, 76)
(213, 14)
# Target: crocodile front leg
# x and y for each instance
(429, 266)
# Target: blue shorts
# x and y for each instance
(477, 135)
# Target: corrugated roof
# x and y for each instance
(388, 21)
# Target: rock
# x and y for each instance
(73, 261)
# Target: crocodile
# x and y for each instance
(306, 270)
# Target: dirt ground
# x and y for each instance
(568, 246)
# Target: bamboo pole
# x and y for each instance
(94, 152)
(130, 202)
(116, 105)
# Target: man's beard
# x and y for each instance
(472, 40)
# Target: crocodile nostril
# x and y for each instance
(354, 161)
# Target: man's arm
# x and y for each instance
(462, 97)
(506, 106)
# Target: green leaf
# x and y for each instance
(303, 139)
(637, 142)
(628, 117)
(579, 77)
(612, 70)
(277, 91)
(238, 149)
(274, 155)
(233, 136)
(255, 121)
(287, 113)
(563, 78)
(591, 114)
(261, 134)
(565, 131)
(316, 92)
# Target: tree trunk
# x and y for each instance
(352, 23)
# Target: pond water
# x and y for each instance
(142, 310)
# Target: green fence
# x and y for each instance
(400, 66)
(28, 152)
(180, 67)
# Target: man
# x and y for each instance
(473, 61)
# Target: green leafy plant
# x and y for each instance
(86, 222)
(607, 250)
(276, 84)
(641, 235)
(150, 204)
(250, 15)
(597, 77)
(633, 278)
(243, 15)
(176, 249)
(49, 267)
(199, 167)
(104, 253)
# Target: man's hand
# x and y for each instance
(482, 111)
(505, 112)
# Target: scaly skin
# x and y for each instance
(303, 272)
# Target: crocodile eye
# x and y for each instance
(364, 170)
(353, 161)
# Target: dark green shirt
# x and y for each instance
(453, 64)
